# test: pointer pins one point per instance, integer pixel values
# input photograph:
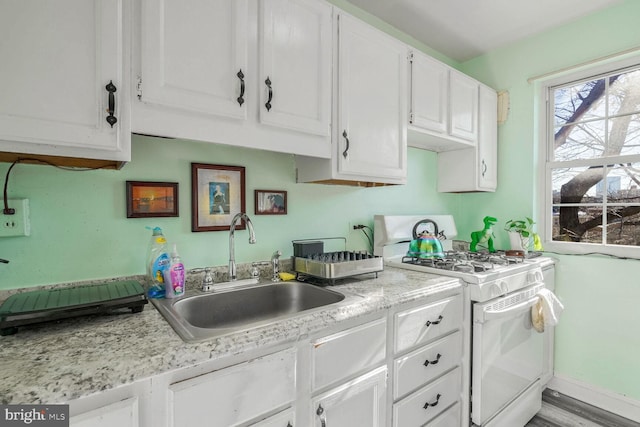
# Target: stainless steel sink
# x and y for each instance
(208, 315)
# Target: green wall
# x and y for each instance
(79, 229)
(597, 340)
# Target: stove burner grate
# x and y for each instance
(466, 262)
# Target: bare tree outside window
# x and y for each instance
(595, 162)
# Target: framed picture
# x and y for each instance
(217, 196)
(152, 199)
(270, 202)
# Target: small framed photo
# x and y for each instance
(217, 193)
(270, 202)
(152, 199)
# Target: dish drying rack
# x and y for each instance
(334, 265)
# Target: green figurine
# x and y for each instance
(485, 235)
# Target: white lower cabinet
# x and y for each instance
(281, 419)
(352, 363)
(425, 364)
(357, 403)
(402, 367)
(346, 353)
(234, 395)
(428, 363)
(122, 414)
(449, 418)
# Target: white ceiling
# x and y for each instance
(464, 29)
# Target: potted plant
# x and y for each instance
(521, 235)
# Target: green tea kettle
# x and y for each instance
(425, 245)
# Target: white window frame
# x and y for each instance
(545, 134)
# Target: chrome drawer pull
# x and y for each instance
(426, 405)
(433, 362)
(435, 322)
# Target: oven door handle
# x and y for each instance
(513, 310)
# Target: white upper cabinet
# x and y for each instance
(65, 78)
(487, 160)
(429, 93)
(248, 73)
(476, 168)
(193, 58)
(370, 110)
(463, 106)
(443, 106)
(295, 65)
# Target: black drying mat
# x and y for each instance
(55, 304)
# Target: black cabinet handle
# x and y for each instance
(268, 104)
(111, 88)
(320, 413)
(344, 153)
(484, 167)
(289, 424)
(241, 97)
(435, 322)
(426, 405)
(432, 362)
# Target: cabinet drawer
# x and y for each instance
(348, 352)
(423, 365)
(425, 323)
(449, 418)
(423, 405)
(236, 394)
(281, 419)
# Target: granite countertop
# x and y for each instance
(61, 361)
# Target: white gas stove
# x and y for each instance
(509, 359)
(489, 275)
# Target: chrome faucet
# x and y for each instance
(232, 255)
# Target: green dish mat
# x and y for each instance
(80, 296)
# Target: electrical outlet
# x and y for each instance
(18, 223)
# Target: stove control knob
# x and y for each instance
(504, 287)
(535, 276)
(499, 288)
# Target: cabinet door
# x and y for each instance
(281, 419)
(121, 414)
(295, 66)
(429, 93)
(234, 395)
(372, 117)
(358, 403)
(57, 60)
(463, 106)
(488, 140)
(194, 56)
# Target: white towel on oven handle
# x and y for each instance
(546, 312)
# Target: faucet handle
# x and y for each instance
(207, 280)
(255, 273)
(275, 265)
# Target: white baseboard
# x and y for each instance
(598, 397)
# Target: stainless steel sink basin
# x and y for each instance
(207, 315)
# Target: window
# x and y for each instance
(592, 174)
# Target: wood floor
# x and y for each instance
(559, 410)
